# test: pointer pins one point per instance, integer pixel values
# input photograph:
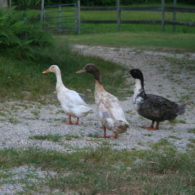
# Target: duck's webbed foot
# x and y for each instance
(70, 122)
(109, 136)
(152, 128)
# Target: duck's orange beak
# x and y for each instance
(46, 71)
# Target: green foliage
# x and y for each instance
(22, 78)
(26, 3)
(20, 33)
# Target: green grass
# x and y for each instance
(107, 171)
(176, 121)
(70, 137)
(49, 137)
(174, 137)
(22, 79)
(191, 130)
(139, 39)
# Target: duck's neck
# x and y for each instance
(59, 82)
(139, 87)
(98, 86)
(99, 91)
(98, 83)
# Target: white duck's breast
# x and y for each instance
(72, 103)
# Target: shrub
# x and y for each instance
(20, 32)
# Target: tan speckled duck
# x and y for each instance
(108, 106)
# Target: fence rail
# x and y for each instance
(60, 18)
(63, 18)
(137, 22)
(157, 8)
(162, 22)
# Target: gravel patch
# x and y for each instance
(19, 121)
(24, 179)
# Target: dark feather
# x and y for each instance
(158, 108)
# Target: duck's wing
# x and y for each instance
(158, 108)
(112, 106)
(74, 98)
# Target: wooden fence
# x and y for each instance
(118, 20)
(60, 18)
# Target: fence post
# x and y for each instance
(42, 11)
(10, 3)
(162, 15)
(78, 16)
(174, 14)
(118, 14)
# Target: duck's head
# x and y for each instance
(136, 74)
(52, 68)
(92, 69)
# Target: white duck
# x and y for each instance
(71, 102)
(108, 106)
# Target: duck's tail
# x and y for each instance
(121, 126)
(181, 109)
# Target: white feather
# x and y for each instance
(70, 100)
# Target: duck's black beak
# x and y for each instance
(81, 71)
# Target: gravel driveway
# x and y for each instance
(20, 121)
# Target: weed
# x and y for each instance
(70, 137)
(192, 140)
(174, 137)
(191, 130)
(49, 137)
(191, 146)
(93, 135)
(36, 113)
(176, 121)
(147, 134)
(2, 114)
(13, 120)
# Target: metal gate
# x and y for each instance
(60, 18)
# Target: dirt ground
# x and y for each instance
(167, 73)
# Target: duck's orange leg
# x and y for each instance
(106, 136)
(152, 128)
(77, 122)
(69, 120)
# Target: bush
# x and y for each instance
(20, 32)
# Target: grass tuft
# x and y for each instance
(191, 130)
(49, 137)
